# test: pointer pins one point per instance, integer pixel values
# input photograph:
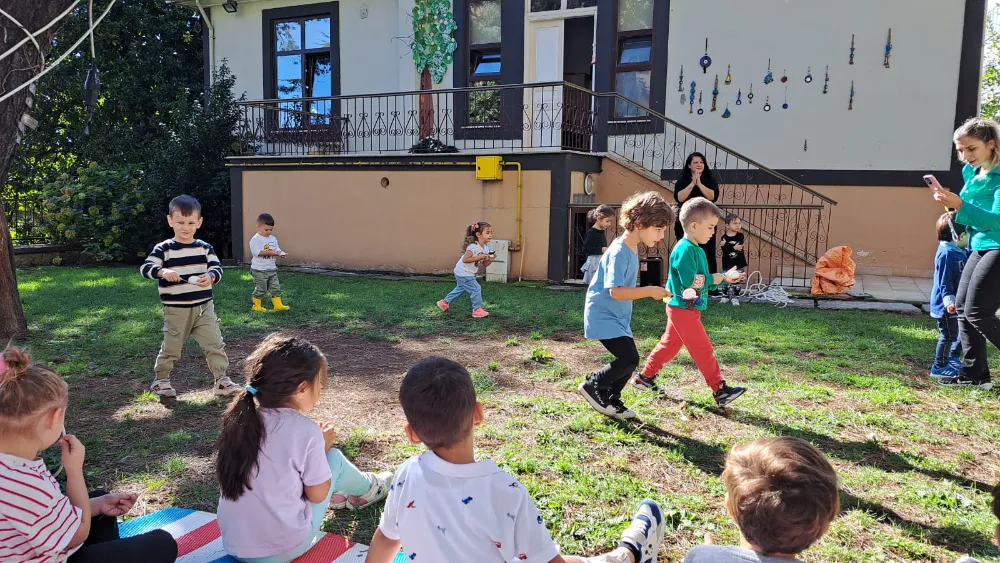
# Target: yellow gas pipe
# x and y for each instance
(517, 245)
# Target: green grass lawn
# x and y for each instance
(916, 461)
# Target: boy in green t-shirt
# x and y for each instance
(689, 282)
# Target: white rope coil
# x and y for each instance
(760, 291)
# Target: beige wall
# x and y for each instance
(890, 229)
(346, 219)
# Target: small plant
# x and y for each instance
(482, 382)
(536, 335)
(541, 355)
(493, 366)
(511, 342)
(966, 456)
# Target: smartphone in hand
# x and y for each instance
(932, 182)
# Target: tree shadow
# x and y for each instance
(707, 457)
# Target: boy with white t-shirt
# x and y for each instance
(444, 506)
(264, 267)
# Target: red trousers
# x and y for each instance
(684, 328)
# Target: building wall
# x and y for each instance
(371, 60)
(903, 116)
(346, 219)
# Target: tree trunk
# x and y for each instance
(426, 105)
(16, 69)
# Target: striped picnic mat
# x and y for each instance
(199, 540)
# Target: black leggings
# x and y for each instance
(977, 301)
(104, 543)
(613, 377)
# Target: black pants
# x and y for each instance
(613, 377)
(104, 544)
(978, 300)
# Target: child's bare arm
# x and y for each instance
(633, 293)
(382, 549)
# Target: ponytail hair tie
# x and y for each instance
(250, 389)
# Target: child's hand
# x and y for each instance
(951, 309)
(72, 453)
(329, 434)
(112, 505)
(709, 540)
(656, 292)
(738, 247)
(733, 275)
(205, 280)
(170, 275)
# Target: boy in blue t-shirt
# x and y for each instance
(607, 315)
(949, 260)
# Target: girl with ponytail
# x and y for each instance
(277, 469)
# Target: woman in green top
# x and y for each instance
(978, 205)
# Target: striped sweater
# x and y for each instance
(187, 259)
(37, 521)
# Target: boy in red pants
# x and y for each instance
(689, 282)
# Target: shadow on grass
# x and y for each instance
(706, 457)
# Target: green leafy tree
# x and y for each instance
(990, 94)
(433, 49)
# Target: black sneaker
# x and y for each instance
(646, 383)
(727, 394)
(621, 411)
(596, 399)
(963, 381)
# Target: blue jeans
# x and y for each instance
(466, 284)
(948, 346)
(347, 479)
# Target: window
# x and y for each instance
(302, 62)
(485, 61)
(633, 60)
(552, 5)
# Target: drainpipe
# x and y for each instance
(211, 42)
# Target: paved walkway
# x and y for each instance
(886, 288)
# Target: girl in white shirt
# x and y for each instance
(477, 254)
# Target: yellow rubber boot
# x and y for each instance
(278, 305)
(257, 307)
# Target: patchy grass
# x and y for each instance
(916, 461)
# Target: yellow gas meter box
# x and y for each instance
(489, 168)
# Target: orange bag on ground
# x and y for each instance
(834, 272)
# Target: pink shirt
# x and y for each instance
(274, 517)
(37, 521)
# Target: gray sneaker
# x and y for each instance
(644, 536)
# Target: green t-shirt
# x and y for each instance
(687, 260)
(980, 210)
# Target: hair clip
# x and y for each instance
(250, 389)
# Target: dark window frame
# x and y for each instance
(511, 48)
(271, 17)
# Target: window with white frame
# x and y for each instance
(484, 60)
(552, 5)
(634, 55)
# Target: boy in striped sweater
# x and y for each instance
(187, 268)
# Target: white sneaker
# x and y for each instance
(379, 489)
(163, 388)
(225, 387)
(735, 302)
(645, 534)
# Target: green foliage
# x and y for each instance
(541, 355)
(155, 123)
(990, 92)
(433, 40)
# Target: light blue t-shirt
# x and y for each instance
(603, 317)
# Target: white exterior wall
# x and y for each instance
(371, 61)
(903, 116)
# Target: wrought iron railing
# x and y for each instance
(788, 222)
(24, 218)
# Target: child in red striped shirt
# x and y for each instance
(37, 522)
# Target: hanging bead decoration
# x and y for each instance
(850, 104)
(768, 78)
(805, 145)
(784, 76)
(680, 81)
(809, 75)
(691, 98)
(750, 95)
(767, 103)
(729, 75)
(739, 97)
(826, 80)
(706, 61)
(851, 61)
(726, 114)
(785, 105)
(715, 92)
(888, 48)
(701, 110)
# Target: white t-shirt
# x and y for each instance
(259, 243)
(470, 268)
(473, 512)
(274, 517)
